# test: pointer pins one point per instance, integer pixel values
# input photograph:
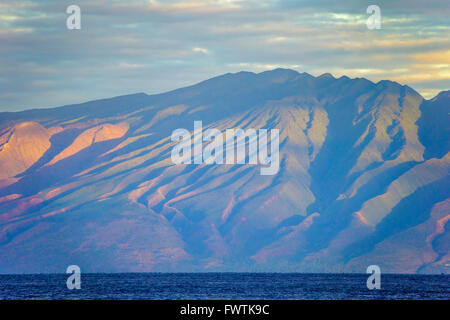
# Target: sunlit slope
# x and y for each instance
(360, 173)
(21, 145)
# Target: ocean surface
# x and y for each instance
(193, 286)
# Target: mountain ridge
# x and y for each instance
(145, 95)
(363, 168)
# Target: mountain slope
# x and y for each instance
(363, 168)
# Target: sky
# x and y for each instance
(154, 46)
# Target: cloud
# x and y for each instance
(155, 46)
(436, 57)
(200, 50)
(196, 7)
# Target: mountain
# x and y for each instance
(363, 179)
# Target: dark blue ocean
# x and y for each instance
(193, 286)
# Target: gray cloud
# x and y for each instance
(149, 46)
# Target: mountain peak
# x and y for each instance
(326, 76)
(279, 74)
(280, 71)
(441, 95)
